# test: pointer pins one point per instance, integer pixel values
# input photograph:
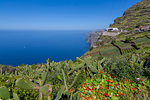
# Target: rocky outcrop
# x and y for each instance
(94, 37)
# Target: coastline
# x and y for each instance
(93, 37)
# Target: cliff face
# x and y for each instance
(134, 17)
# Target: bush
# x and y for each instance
(128, 39)
(91, 48)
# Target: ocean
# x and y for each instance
(33, 47)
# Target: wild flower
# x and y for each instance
(106, 86)
(138, 79)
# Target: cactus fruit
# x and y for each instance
(4, 93)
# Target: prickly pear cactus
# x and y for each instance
(44, 78)
(46, 89)
(74, 81)
(4, 93)
(15, 96)
(60, 92)
(93, 69)
(64, 76)
(26, 84)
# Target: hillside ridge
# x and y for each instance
(137, 16)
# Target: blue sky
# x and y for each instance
(61, 14)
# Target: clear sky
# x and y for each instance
(61, 14)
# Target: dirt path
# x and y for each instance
(111, 33)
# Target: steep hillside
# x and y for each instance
(134, 17)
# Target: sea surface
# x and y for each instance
(34, 47)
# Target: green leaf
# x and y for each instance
(4, 93)
(44, 78)
(74, 81)
(26, 84)
(93, 69)
(46, 89)
(59, 77)
(64, 79)
(15, 96)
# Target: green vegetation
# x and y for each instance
(91, 48)
(93, 77)
(124, 50)
(135, 17)
(119, 69)
(63, 80)
(125, 43)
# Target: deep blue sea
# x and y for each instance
(33, 47)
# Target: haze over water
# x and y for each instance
(33, 47)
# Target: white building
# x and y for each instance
(112, 29)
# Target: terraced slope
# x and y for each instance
(135, 17)
(122, 46)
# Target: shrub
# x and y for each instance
(91, 48)
(128, 39)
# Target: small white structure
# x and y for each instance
(112, 29)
